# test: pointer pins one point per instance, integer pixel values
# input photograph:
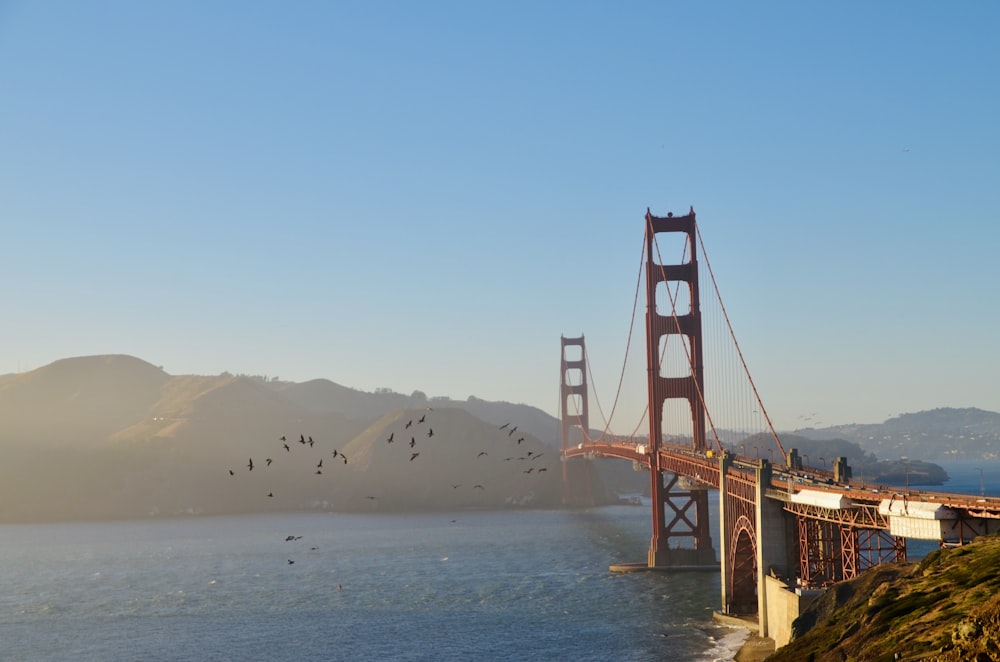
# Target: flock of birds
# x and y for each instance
(410, 429)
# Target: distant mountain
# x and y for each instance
(938, 434)
(114, 436)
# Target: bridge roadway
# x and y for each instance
(864, 500)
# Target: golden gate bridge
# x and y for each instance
(786, 528)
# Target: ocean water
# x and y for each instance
(511, 585)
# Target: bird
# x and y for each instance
(512, 431)
(422, 418)
(320, 465)
(409, 423)
(319, 471)
(537, 456)
(370, 497)
(302, 439)
(413, 456)
(530, 469)
(269, 461)
(543, 469)
(343, 457)
(482, 453)
(335, 452)
(282, 438)
(286, 447)
(455, 487)
(231, 473)
(413, 442)
(311, 442)
(251, 464)
(504, 426)
(270, 494)
(520, 439)
(430, 432)
(290, 562)
(478, 487)
(390, 437)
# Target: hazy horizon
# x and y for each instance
(427, 196)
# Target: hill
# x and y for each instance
(946, 608)
(937, 434)
(115, 437)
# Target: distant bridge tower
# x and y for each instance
(677, 512)
(575, 421)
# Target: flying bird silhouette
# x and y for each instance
(504, 426)
(409, 423)
(251, 464)
(413, 456)
(482, 453)
(413, 442)
(390, 437)
(269, 461)
(430, 432)
(422, 418)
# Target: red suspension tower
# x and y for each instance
(679, 512)
(575, 425)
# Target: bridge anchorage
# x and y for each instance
(786, 530)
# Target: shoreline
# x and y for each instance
(755, 648)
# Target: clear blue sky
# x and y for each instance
(426, 195)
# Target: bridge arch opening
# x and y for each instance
(671, 248)
(743, 569)
(675, 356)
(677, 426)
(573, 377)
(673, 296)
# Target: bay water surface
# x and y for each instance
(510, 585)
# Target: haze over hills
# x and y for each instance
(114, 436)
(938, 434)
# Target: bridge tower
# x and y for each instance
(678, 513)
(575, 421)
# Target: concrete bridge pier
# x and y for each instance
(775, 540)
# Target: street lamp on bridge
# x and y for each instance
(806, 456)
(982, 485)
(823, 460)
(756, 451)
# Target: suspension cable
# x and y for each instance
(739, 352)
(621, 378)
